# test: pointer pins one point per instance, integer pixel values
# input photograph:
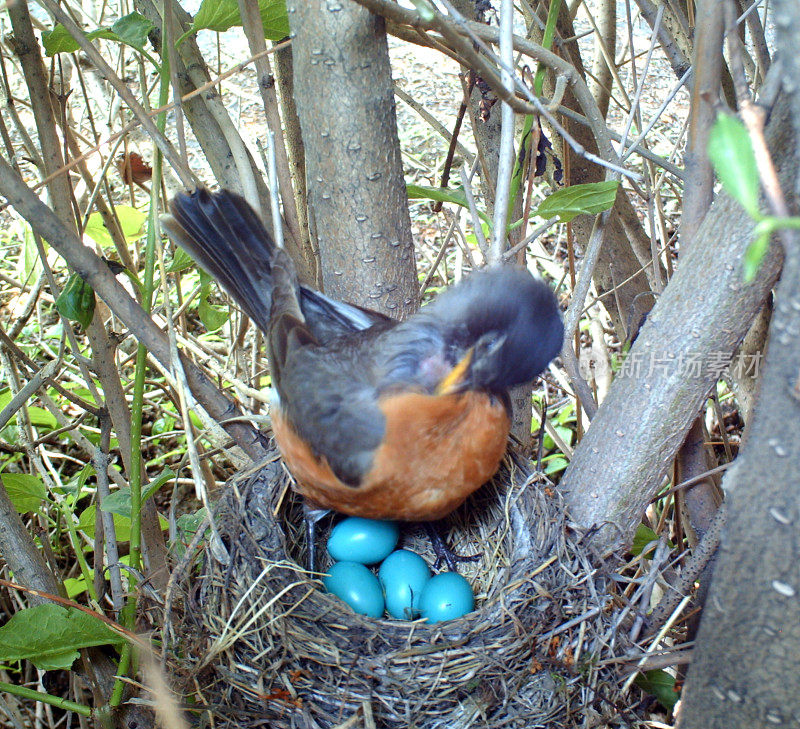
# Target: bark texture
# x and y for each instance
(358, 207)
(752, 681)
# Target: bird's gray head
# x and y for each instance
(506, 326)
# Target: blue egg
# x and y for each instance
(362, 540)
(357, 586)
(402, 575)
(445, 597)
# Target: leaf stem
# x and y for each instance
(58, 701)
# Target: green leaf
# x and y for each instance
(119, 503)
(76, 302)
(133, 29)
(164, 424)
(644, 536)
(731, 153)
(29, 264)
(131, 221)
(42, 418)
(187, 525)
(213, 317)
(74, 486)
(97, 231)
(757, 250)
(519, 166)
(87, 521)
(59, 40)
(25, 490)
(661, 685)
(181, 260)
(565, 433)
(220, 15)
(555, 464)
(166, 475)
(50, 636)
(274, 18)
(438, 194)
(75, 586)
(39, 417)
(588, 199)
(566, 414)
(547, 42)
(74, 387)
(93, 436)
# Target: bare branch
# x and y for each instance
(97, 274)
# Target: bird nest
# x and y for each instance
(264, 645)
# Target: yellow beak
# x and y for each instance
(455, 377)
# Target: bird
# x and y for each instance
(376, 417)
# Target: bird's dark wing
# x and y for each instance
(329, 318)
(318, 347)
(328, 397)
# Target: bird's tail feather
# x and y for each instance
(227, 239)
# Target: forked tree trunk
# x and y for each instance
(747, 660)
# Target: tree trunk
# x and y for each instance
(358, 208)
(752, 681)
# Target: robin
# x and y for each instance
(376, 417)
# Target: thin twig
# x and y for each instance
(100, 461)
(454, 28)
(440, 253)
(532, 236)
(153, 113)
(97, 274)
(505, 165)
(754, 117)
(186, 176)
(19, 400)
(433, 122)
(466, 175)
(703, 553)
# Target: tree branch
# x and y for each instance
(97, 274)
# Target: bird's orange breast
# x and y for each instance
(437, 450)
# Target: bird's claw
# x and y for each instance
(443, 553)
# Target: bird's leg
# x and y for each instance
(311, 515)
(441, 550)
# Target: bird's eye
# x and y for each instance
(492, 341)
